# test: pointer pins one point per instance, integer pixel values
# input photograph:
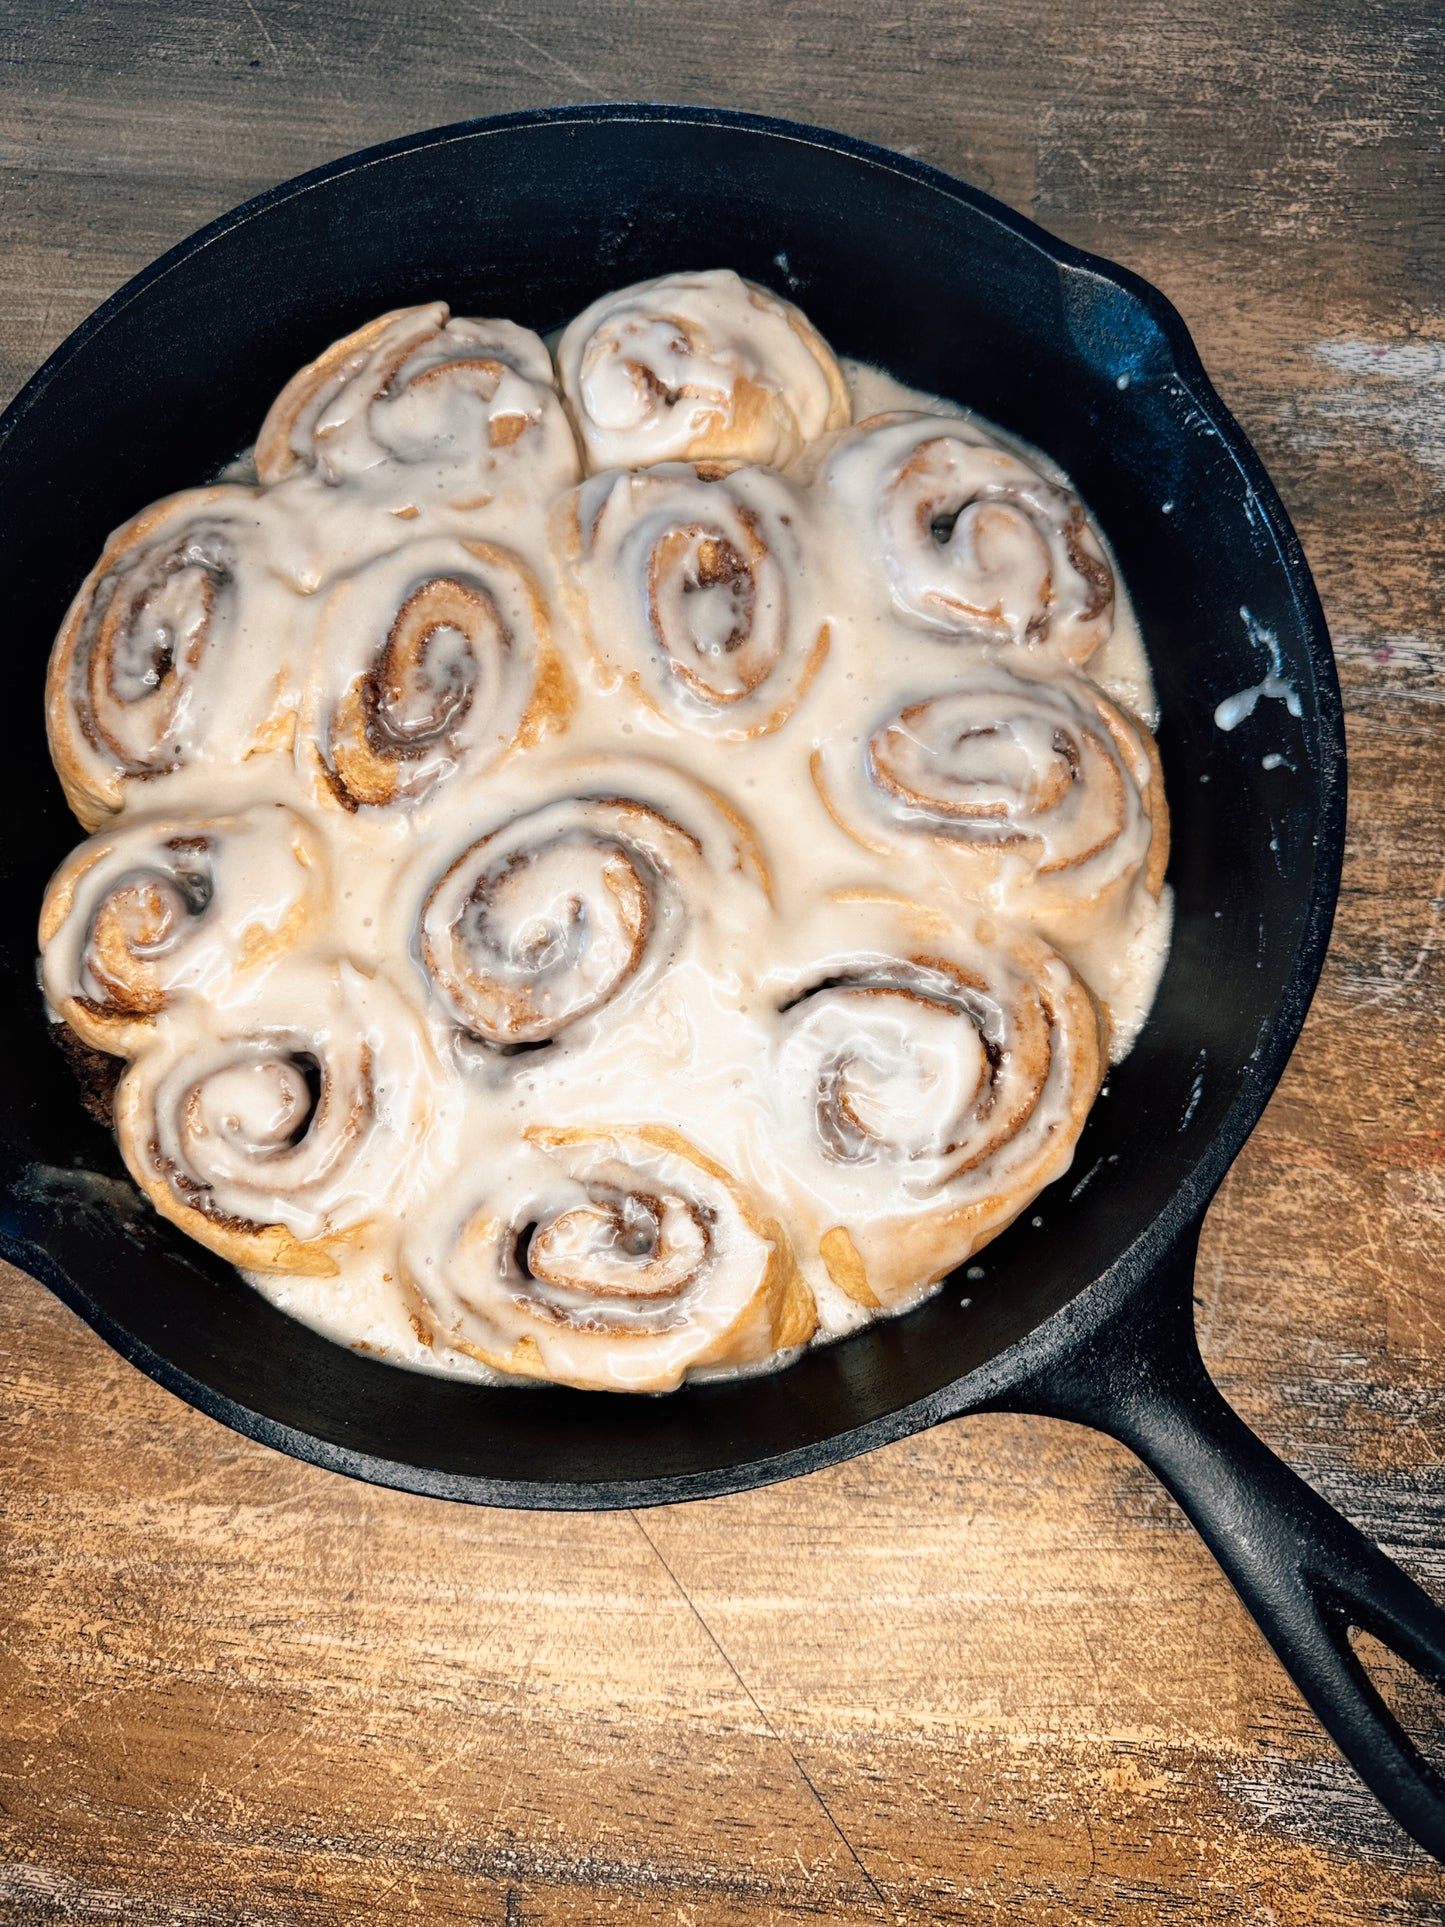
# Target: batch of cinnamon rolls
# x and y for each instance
(606, 867)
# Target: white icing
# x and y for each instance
(423, 401)
(428, 660)
(157, 910)
(644, 1262)
(613, 920)
(186, 644)
(1234, 709)
(1038, 793)
(695, 366)
(696, 593)
(971, 541)
(310, 1099)
(927, 1077)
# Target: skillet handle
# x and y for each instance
(1305, 1573)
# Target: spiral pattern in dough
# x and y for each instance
(973, 540)
(1046, 796)
(465, 1009)
(564, 908)
(629, 1259)
(290, 1129)
(422, 389)
(690, 593)
(181, 646)
(697, 368)
(434, 658)
(929, 1083)
(142, 915)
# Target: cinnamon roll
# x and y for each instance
(697, 367)
(693, 593)
(568, 907)
(624, 1260)
(144, 914)
(971, 540)
(1046, 797)
(434, 658)
(183, 645)
(286, 1132)
(930, 1080)
(463, 1006)
(471, 402)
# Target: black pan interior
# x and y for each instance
(532, 217)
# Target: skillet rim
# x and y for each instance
(1073, 1323)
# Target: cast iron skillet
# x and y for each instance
(1084, 1307)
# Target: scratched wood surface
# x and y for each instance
(984, 1676)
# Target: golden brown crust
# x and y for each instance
(1157, 806)
(393, 727)
(846, 1268)
(91, 707)
(656, 544)
(92, 799)
(275, 457)
(778, 1312)
(840, 407)
(122, 912)
(1063, 845)
(967, 1066)
(245, 1243)
(746, 406)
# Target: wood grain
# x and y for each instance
(984, 1676)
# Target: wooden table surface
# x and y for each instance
(984, 1676)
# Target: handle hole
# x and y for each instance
(1416, 1702)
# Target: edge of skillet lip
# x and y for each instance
(1091, 1308)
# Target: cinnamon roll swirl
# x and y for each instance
(697, 368)
(289, 1132)
(434, 658)
(464, 1009)
(570, 906)
(154, 911)
(625, 1260)
(972, 541)
(1046, 796)
(183, 645)
(421, 389)
(929, 1082)
(692, 593)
